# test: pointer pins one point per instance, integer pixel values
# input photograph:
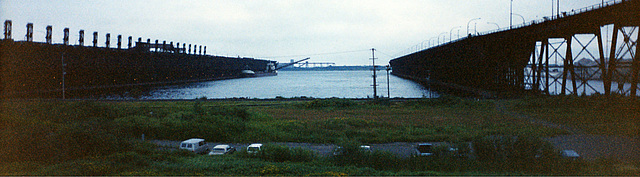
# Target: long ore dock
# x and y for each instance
(45, 70)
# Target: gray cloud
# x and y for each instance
(272, 28)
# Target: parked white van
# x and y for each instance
(196, 145)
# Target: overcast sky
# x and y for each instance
(339, 31)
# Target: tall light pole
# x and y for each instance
(470, 23)
(558, 8)
(552, 11)
(494, 24)
(523, 20)
(451, 32)
(511, 15)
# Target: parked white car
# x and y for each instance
(254, 148)
(570, 154)
(222, 150)
(365, 148)
(196, 145)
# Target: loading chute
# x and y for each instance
(292, 63)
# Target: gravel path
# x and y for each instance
(589, 147)
(402, 149)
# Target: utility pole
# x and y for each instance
(388, 90)
(373, 59)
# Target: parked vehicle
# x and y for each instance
(222, 150)
(338, 150)
(366, 148)
(196, 145)
(570, 154)
(254, 148)
(424, 149)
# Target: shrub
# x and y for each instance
(350, 153)
(528, 154)
(279, 153)
(330, 103)
(445, 100)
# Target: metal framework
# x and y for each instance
(562, 54)
(582, 71)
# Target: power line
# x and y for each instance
(329, 53)
(385, 54)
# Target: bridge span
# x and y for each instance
(565, 52)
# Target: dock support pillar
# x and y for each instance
(568, 69)
(49, 34)
(538, 67)
(81, 38)
(7, 29)
(602, 65)
(612, 59)
(108, 42)
(164, 46)
(29, 32)
(95, 39)
(119, 41)
(572, 67)
(635, 67)
(546, 69)
(130, 41)
(65, 38)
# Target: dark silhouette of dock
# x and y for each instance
(46, 70)
(516, 59)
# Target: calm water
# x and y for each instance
(288, 84)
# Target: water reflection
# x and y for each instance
(288, 84)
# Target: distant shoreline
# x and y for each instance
(333, 68)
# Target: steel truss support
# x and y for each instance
(539, 68)
(587, 71)
(602, 64)
(556, 53)
(622, 65)
(618, 69)
(568, 69)
(635, 79)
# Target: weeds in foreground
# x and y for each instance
(93, 138)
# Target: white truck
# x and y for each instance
(196, 145)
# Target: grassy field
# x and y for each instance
(598, 115)
(101, 138)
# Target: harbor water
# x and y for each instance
(291, 84)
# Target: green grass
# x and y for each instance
(100, 138)
(593, 114)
